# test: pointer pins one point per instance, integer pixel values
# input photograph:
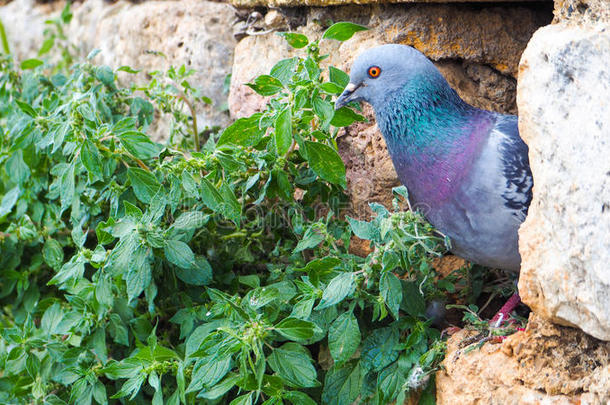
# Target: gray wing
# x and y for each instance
(484, 217)
(516, 167)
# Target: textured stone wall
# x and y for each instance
(564, 94)
(318, 3)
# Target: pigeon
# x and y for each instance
(466, 169)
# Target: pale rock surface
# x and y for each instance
(191, 32)
(299, 3)
(543, 365)
(195, 33)
(563, 95)
(24, 22)
(582, 11)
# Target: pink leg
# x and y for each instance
(506, 309)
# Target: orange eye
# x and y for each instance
(374, 71)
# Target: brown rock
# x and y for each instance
(155, 35)
(299, 3)
(545, 364)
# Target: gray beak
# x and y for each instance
(348, 95)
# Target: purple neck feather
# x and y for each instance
(433, 137)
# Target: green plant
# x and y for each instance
(136, 272)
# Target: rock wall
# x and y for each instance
(147, 36)
(563, 95)
(545, 364)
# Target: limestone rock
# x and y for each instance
(24, 22)
(582, 11)
(563, 91)
(155, 35)
(545, 364)
(298, 3)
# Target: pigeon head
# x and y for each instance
(379, 71)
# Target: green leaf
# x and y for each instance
(283, 132)
(331, 88)
(90, 157)
(342, 31)
(46, 46)
(208, 371)
(413, 301)
(231, 208)
(51, 319)
(245, 132)
(191, 220)
(16, 168)
(221, 388)
(298, 398)
(379, 349)
(145, 184)
(128, 69)
(26, 108)
(295, 329)
(284, 70)
(345, 116)
(31, 63)
(9, 200)
(294, 39)
(199, 274)
(342, 384)
(343, 337)
(292, 362)
(390, 382)
(67, 187)
(245, 399)
(266, 85)
(131, 387)
(179, 253)
(311, 239)
(336, 291)
(210, 195)
(105, 75)
(139, 145)
(139, 274)
(326, 163)
(323, 109)
(391, 291)
(364, 230)
(338, 76)
(53, 254)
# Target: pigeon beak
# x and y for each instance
(348, 95)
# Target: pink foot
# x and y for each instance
(506, 309)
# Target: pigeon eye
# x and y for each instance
(374, 71)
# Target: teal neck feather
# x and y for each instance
(432, 136)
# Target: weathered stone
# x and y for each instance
(299, 3)
(545, 364)
(370, 172)
(563, 90)
(158, 34)
(582, 11)
(24, 22)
